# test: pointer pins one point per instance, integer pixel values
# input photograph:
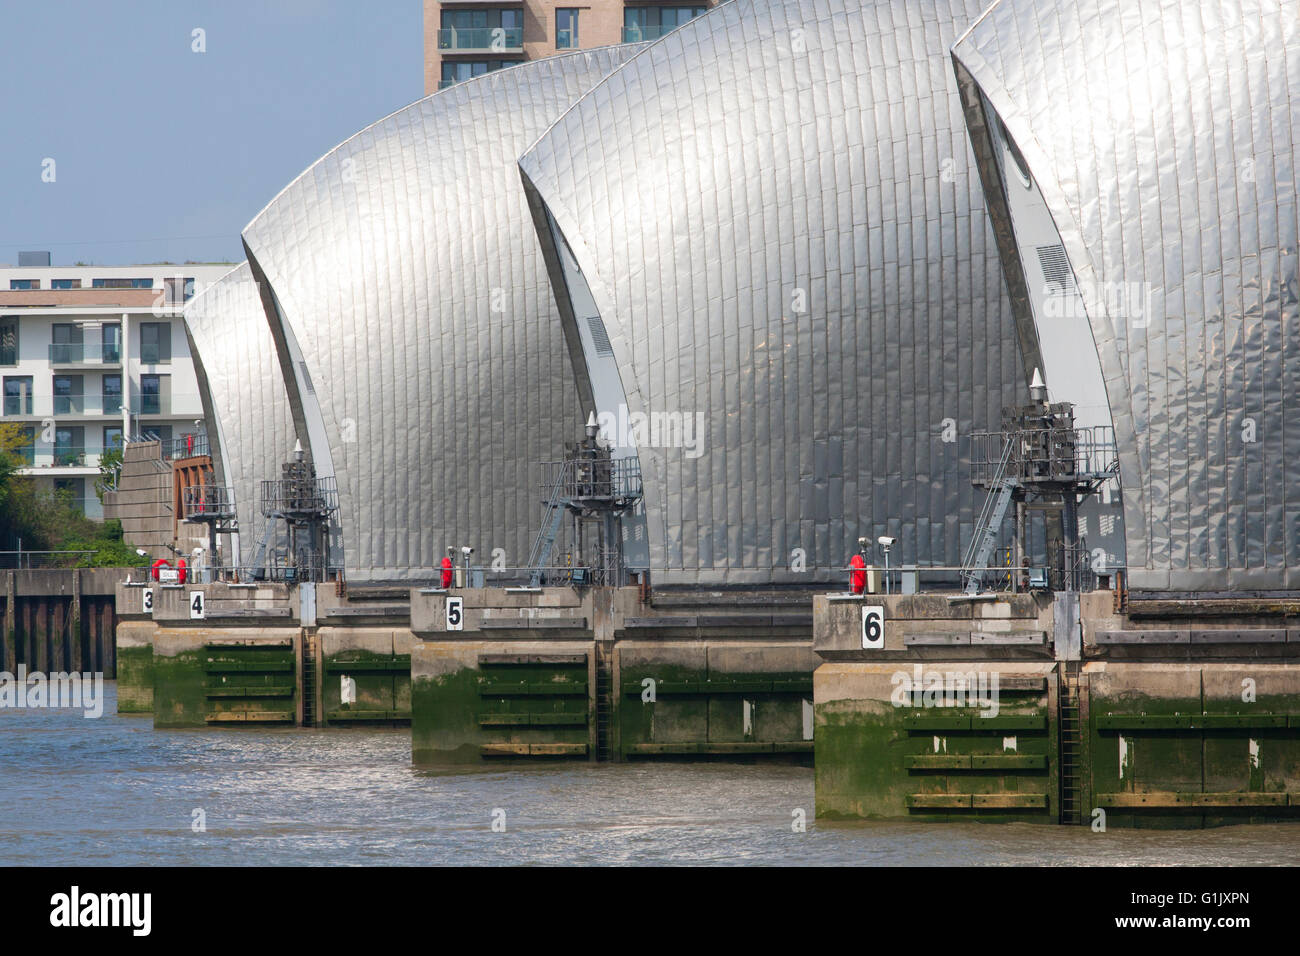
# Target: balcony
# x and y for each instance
(481, 40)
(67, 353)
(187, 446)
(69, 404)
(18, 405)
(77, 353)
(175, 404)
(72, 456)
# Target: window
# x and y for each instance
(18, 395)
(1022, 167)
(65, 283)
(488, 29)
(26, 449)
(112, 438)
(8, 341)
(69, 446)
(112, 394)
(121, 283)
(153, 395)
(566, 28)
(179, 290)
(67, 342)
(72, 490)
(24, 284)
(650, 23)
(465, 19)
(155, 343)
(111, 343)
(454, 72)
(68, 396)
(162, 433)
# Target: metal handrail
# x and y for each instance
(207, 502)
(317, 497)
(1052, 454)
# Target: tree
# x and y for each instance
(52, 521)
(110, 468)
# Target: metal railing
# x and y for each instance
(67, 353)
(69, 404)
(186, 446)
(481, 38)
(299, 497)
(616, 480)
(1044, 454)
(1074, 570)
(279, 570)
(70, 456)
(79, 353)
(207, 502)
(21, 559)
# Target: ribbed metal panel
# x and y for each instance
(407, 271)
(250, 426)
(1163, 135)
(777, 215)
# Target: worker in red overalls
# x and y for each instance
(446, 570)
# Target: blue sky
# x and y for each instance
(164, 154)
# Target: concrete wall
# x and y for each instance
(143, 499)
(682, 673)
(1141, 714)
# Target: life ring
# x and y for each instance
(160, 563)
(857, 576)
(180, 568)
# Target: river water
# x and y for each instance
(114, 791)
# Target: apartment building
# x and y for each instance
(472, 37)
(89, 354)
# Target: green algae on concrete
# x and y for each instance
(476, 700)
(250, 682)
(376, 663)
(1178, 745)
(135, 667)
(714, 698)
(179, 698)
(226, 676)
(879, 759)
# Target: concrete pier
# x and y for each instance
(605, 674)
(1156, 714)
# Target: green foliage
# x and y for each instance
(51, 521)
(110, 467)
